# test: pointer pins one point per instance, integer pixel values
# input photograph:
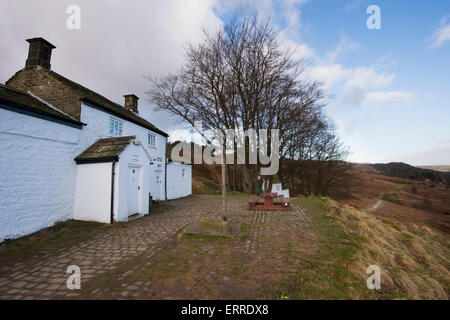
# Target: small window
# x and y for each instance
(182, 172)
(115, 127)
(151, 140)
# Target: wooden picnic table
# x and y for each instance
(269, 203)
(268, 198)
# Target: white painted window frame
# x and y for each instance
(149, 140)
(112, 130)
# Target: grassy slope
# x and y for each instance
(414, 261)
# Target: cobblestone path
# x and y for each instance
(45, 277)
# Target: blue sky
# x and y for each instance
(390, 87)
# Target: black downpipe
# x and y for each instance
(112, 190)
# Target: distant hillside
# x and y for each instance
(403, 170)
(207, 178)
(437, 168)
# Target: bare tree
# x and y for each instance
(239, 78)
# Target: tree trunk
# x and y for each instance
(224, 177)
(245, 179)
(269, 183)
(234, 177)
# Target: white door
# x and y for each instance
(133, 190)
(158, 185)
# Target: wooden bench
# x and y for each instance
(269, 204)
(285, 201)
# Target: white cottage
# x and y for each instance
(68, 152)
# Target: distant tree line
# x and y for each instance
(403, 170)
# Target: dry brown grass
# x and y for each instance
(414, 260)
(203, 186)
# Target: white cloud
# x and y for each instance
(444, 141)
(356, 83)
(301, 50)
(355, 96)
(386, 62)
(328, 74)
(359, 96)
(119, 41)
(432, 157)
(353, 82)
(291, 11)
(345, 45)
(368, 77)
(437, 155)
(361, 81)
(381, 97)
(442, 34)
(346, 126)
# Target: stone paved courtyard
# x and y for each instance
(124, 252)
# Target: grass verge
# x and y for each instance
(324, 274)
(413, 260)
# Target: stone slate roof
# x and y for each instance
(22, 102)
(105, 104)
(105, 150)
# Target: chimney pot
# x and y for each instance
(131, 102)
(39, 53)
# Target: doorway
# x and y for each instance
(158, 188)
(134, 189)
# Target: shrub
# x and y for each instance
(391, 197)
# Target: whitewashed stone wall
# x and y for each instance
(37, 173)
(93, 192)
(179, 186)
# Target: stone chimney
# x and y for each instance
(39, 53)
(131, 102)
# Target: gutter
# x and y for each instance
(112, 190)
(34, 112)
(96, 160)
